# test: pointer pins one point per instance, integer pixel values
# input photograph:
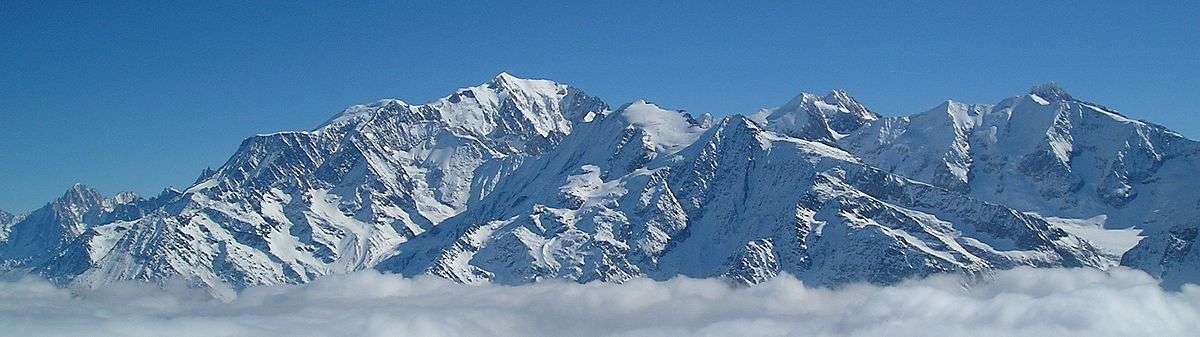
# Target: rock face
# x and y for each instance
(517, 180)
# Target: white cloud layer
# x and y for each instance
(1021, 302)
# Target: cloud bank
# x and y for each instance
(1020, 302)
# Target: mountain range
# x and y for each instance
(522, 180)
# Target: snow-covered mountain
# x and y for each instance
(519, 180)
(1050, 153)
(1045, 152)
(292, 206)
(827, 118)
(724, 199)
(37, 237)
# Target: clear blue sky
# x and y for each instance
(143, 96)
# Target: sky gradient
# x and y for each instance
(144, 96)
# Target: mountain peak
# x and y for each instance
(124, 197)
(815, 117)
(506, 81)
(505, 76)
(79, 189)
(841, 98)
(802, 99)
(1050, 91)
(836, 99)
(81, 195)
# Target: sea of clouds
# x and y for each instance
(1020, 302)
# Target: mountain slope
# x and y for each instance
(291, 206)
(737, 202)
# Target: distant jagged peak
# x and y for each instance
(80, 193)
(169, 192)
(123, 198)
(78, 199)
(760, 116)
(813, 117)
(1053, 92)
(799, 102)
(742, 122)
(837, 100)
(841, 98)
(737, 125)
(1050, 91)
(502, 86)
(85, 197)
(963, 115)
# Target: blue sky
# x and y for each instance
(143, 96)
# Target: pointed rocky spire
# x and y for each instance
(80, 194)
